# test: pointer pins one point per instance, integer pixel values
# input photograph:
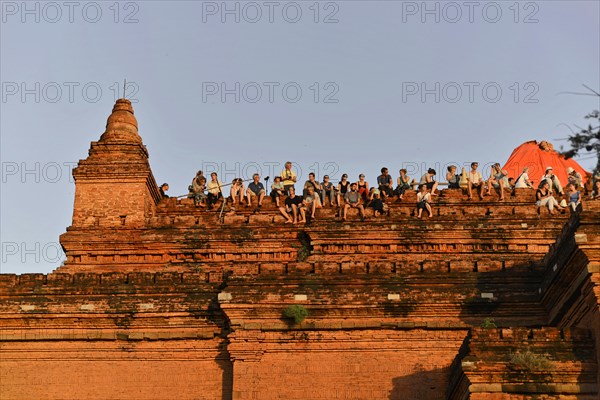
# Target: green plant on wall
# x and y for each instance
(488, 323)
(304, 248)
(531, 362)
(295, 312)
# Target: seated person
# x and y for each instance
(554, 183)
(596, 190)
(353, 200)
(291, 208)
(498, 180)
(376, 203)
(423, 200)
(452, 178)
(429, 182)
(385, 183)
(255, 189)
(197, 189)
(312, 183)
(523, 181)
(163, 191)
(342, 188)
(574, 178)
(544, 197)
(237, 191)
(574, 196)
(475, 181)
(277, 190)
(310, 202)
(214, 190)
(328, 191)
(403, 184)
(363, 187)
(511, 183)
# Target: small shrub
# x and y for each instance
(304, 247)
(303, 254)
(531, 362)
(295, 312)
(488, 323)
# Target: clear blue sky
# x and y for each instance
(361, 66)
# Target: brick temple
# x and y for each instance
(160, 299)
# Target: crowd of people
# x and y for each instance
(301, 208)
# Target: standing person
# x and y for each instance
(498, 180)
(453, 178)
(288, 177)
(317, 189)
(385, 183)
(353, 200)
(277, 190)
(342, 188)
(255, 189)
(163, 189)
(291, 207)
(544, 197)
(574, 178)
(554, 183)
(214, 190)
(423, 200)
(523, 181)
(363, 187)
(328, 191)
(403, 184)
(237, 191)
(475, 180)
(429, 182)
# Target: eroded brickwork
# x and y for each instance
(159, 299)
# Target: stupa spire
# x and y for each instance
(121, 125)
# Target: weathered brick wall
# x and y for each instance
(108, 370)
(159, 299)
(562, 365)
(350, 364)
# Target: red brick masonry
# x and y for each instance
(159, 299)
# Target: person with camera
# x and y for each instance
(288, 177)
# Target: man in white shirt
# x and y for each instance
(475, 180)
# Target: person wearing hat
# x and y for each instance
(553, 182)
(574, 178)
